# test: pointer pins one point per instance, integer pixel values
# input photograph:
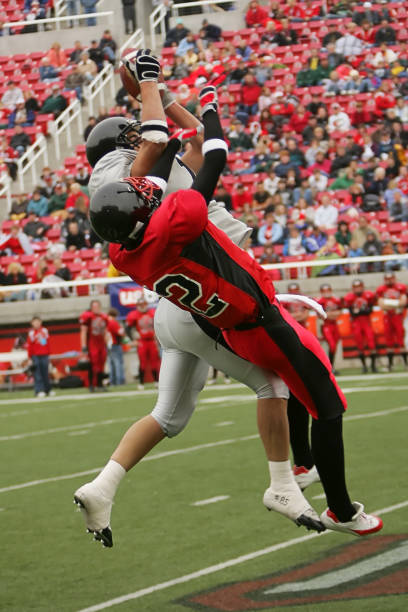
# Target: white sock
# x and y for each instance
(281, 473)
(109, 479)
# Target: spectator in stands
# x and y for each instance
(21, 116)
(95, 54)
(239, 140)
(57, 56)
(236, 75)
(384, 56)
(19, 208)
(185, 44)
(339, 121)
(349, 45)
(256, 15)
(89, 7)
(261, 199)
(303, 191)
(243, 50)
(180, 70)
(91, 124)
(77, 51)
(334, 86)
(360, 234)
(326, 215)
(241, 197)
(295, 242)
(34, 13)
(271, 182)
(61, 270)
(82, 175)
(302, 214)
(176, 34)
(371, 248)
(7, 157)
(399, 207)
(401, 110)
(15, 276)
(343, 234)
(129, 16)
(286, 36)
(55, 103)
(333, 34)
(75, 239)
(31, 104)
(87, 67)
(20, 141)
(38, 204)
(210, 32)
(47, 182)
(315, 239)
(34, 228)
(282, 168)
(270, 232)
(108, 46)
(75, 192)
(75, 81)
(15, 243)
(269, 256)
(317, 181)
(12, 96)
(48, 72)
(56, 203)
(378, 184)
(385, 34)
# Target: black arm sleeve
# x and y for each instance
(214, 161)
(162, 167)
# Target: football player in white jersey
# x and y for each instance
(187, 349)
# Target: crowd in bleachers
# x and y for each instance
(315, 110)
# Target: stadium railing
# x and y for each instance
(58, 21)
(156, 18)
(292, 265)
(27, 161)
(62, 125)
(5, 190)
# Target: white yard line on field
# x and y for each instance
(212, 569)
(181, 451)
(210, 500)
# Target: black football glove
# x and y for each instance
(142, 65)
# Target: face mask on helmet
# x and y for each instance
(110, 134)
(119, 211)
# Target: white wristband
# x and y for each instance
(213, 144)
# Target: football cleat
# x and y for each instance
(361, 524)
(96, 510)
(305, 477)
(290, 502)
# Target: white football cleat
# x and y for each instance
(290, 502)
(361, 524)
(96, 510)
(305, 477)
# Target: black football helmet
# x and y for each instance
(111, 134)
(118, 211)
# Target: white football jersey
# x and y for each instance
(117, 164)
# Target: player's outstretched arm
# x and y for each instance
(214, 148)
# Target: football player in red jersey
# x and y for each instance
(142, 320)
(171, 247)
(332, 307)
(392, 299)
(298, 311)
(93, 337)
(360, 304)
(38, 349)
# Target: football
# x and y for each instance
(128, 80)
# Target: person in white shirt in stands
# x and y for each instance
(326, 215)
(317, 181)
(385, 55)
(349, 44)
(12, 96)
(339, 121)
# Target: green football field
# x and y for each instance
(172, 554)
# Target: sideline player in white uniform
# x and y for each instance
(187, 349)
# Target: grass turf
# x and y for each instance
(49, 563)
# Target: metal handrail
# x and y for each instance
(28, 159)
(98, 84)
(156, 19)
(136, 40)
(58, 20)
(63, 124)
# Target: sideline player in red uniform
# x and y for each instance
(392, 299)
(332, 307)
(360, 304)
(142, 319)
(93, 329)
(172, 248)
(38, 349)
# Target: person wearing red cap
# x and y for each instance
(360, 303)
(332, 306)
(392, 299)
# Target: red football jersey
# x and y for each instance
(143, 321)
(188, 260)
(392, 292)
(329, 303)
(97, 325)
(359, 305)
(37, 342)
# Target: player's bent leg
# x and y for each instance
(360, 524)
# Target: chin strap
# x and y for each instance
(310, 303)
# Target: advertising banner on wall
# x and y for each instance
(125, 296)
